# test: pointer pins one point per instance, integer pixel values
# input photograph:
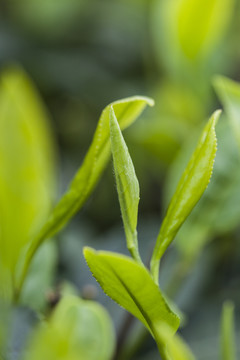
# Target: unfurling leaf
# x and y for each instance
(84, 182)
(132, 287)
(127, 185)
(189, 190)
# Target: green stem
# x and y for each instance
(135, 255)
(154, 268)
(161, 348)
(163, 352)
(132, 245)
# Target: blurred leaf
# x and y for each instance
(77, 329)
(40, 277)
(229, 93)
(227, 332)
(177, 349)
(131, 286)
(27, 167)
(192, 28)
(47, 17)
(189, 190)
(95, 161)
(127, 185)
(201, 24)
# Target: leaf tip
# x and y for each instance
(88, 251)
(150, 101)
(216, 116)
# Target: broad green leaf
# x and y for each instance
(96, 159)
(229, 93)
(127, 185)
(190, 188)
(27, 170)
(176, 348)
(132, 287)
(227, 332)
(77, 329)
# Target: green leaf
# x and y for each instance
(191, 28)
(77, 329)
(227, 332)
(201, 24)
(189, 190)
(40, 277)
(175, 347)
(229, 93)
(127, 185)
(27, 170)
(218, 211)
(84, 182)
(132, 287)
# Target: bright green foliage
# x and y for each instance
(218, 211)
(127, 185)
(96, 159)
(189, 190)
(227, 332)
(205, 20)
(77, 329)
(132, 287)
(190, 29)
(176, 348)
(26, 173)
(229, 93)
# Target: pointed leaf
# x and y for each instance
(84, 182)
(189, 190)
(229, 93)
(131, 286)
(227, 332)
(127, 185)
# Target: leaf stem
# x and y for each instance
(163, 352)
(133, 249)
(154, 268)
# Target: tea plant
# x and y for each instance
(127, 281)
(78, 328)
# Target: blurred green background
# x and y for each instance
(82, 55)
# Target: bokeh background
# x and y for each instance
(82, 55)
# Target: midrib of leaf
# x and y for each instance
(132, 243)
(153, 330)
(184, 185)
(144, 314)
